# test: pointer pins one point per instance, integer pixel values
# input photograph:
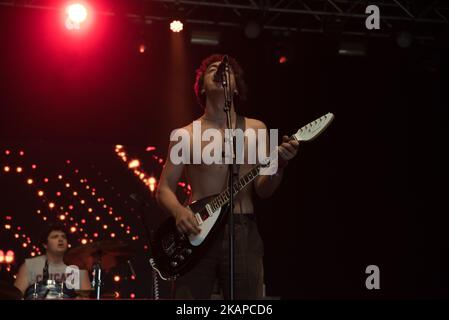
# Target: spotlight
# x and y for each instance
(176, 26)
(76, 15)
(134, 164)
(9, 257)
(283, 53)
(142, 48)
(283, 59)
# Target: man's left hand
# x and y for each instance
(288, 149)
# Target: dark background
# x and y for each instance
(371, 190)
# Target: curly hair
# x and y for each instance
(50, 229)
(238, 74)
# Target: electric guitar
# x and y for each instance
(175, 253)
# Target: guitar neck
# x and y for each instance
(223, 198)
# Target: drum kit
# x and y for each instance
(97, 257)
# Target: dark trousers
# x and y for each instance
(214, 266)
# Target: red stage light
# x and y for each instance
(7, 169)
(283, 59)
(9, 257)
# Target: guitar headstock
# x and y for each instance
(314, 128)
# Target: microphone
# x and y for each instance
(220, 73)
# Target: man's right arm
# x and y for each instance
(166, 197)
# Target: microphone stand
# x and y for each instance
(233, 173)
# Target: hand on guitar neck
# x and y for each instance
(287, 150)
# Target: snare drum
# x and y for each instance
(49, 290)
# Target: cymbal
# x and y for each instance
(109, 252)
(91, 295)
(9, 292)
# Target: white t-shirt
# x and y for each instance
(35, 269)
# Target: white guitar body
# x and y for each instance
(205, 226)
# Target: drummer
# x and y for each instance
(50, 266)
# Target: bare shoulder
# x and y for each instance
(182, 132)
(255, 124)
(188, 128)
